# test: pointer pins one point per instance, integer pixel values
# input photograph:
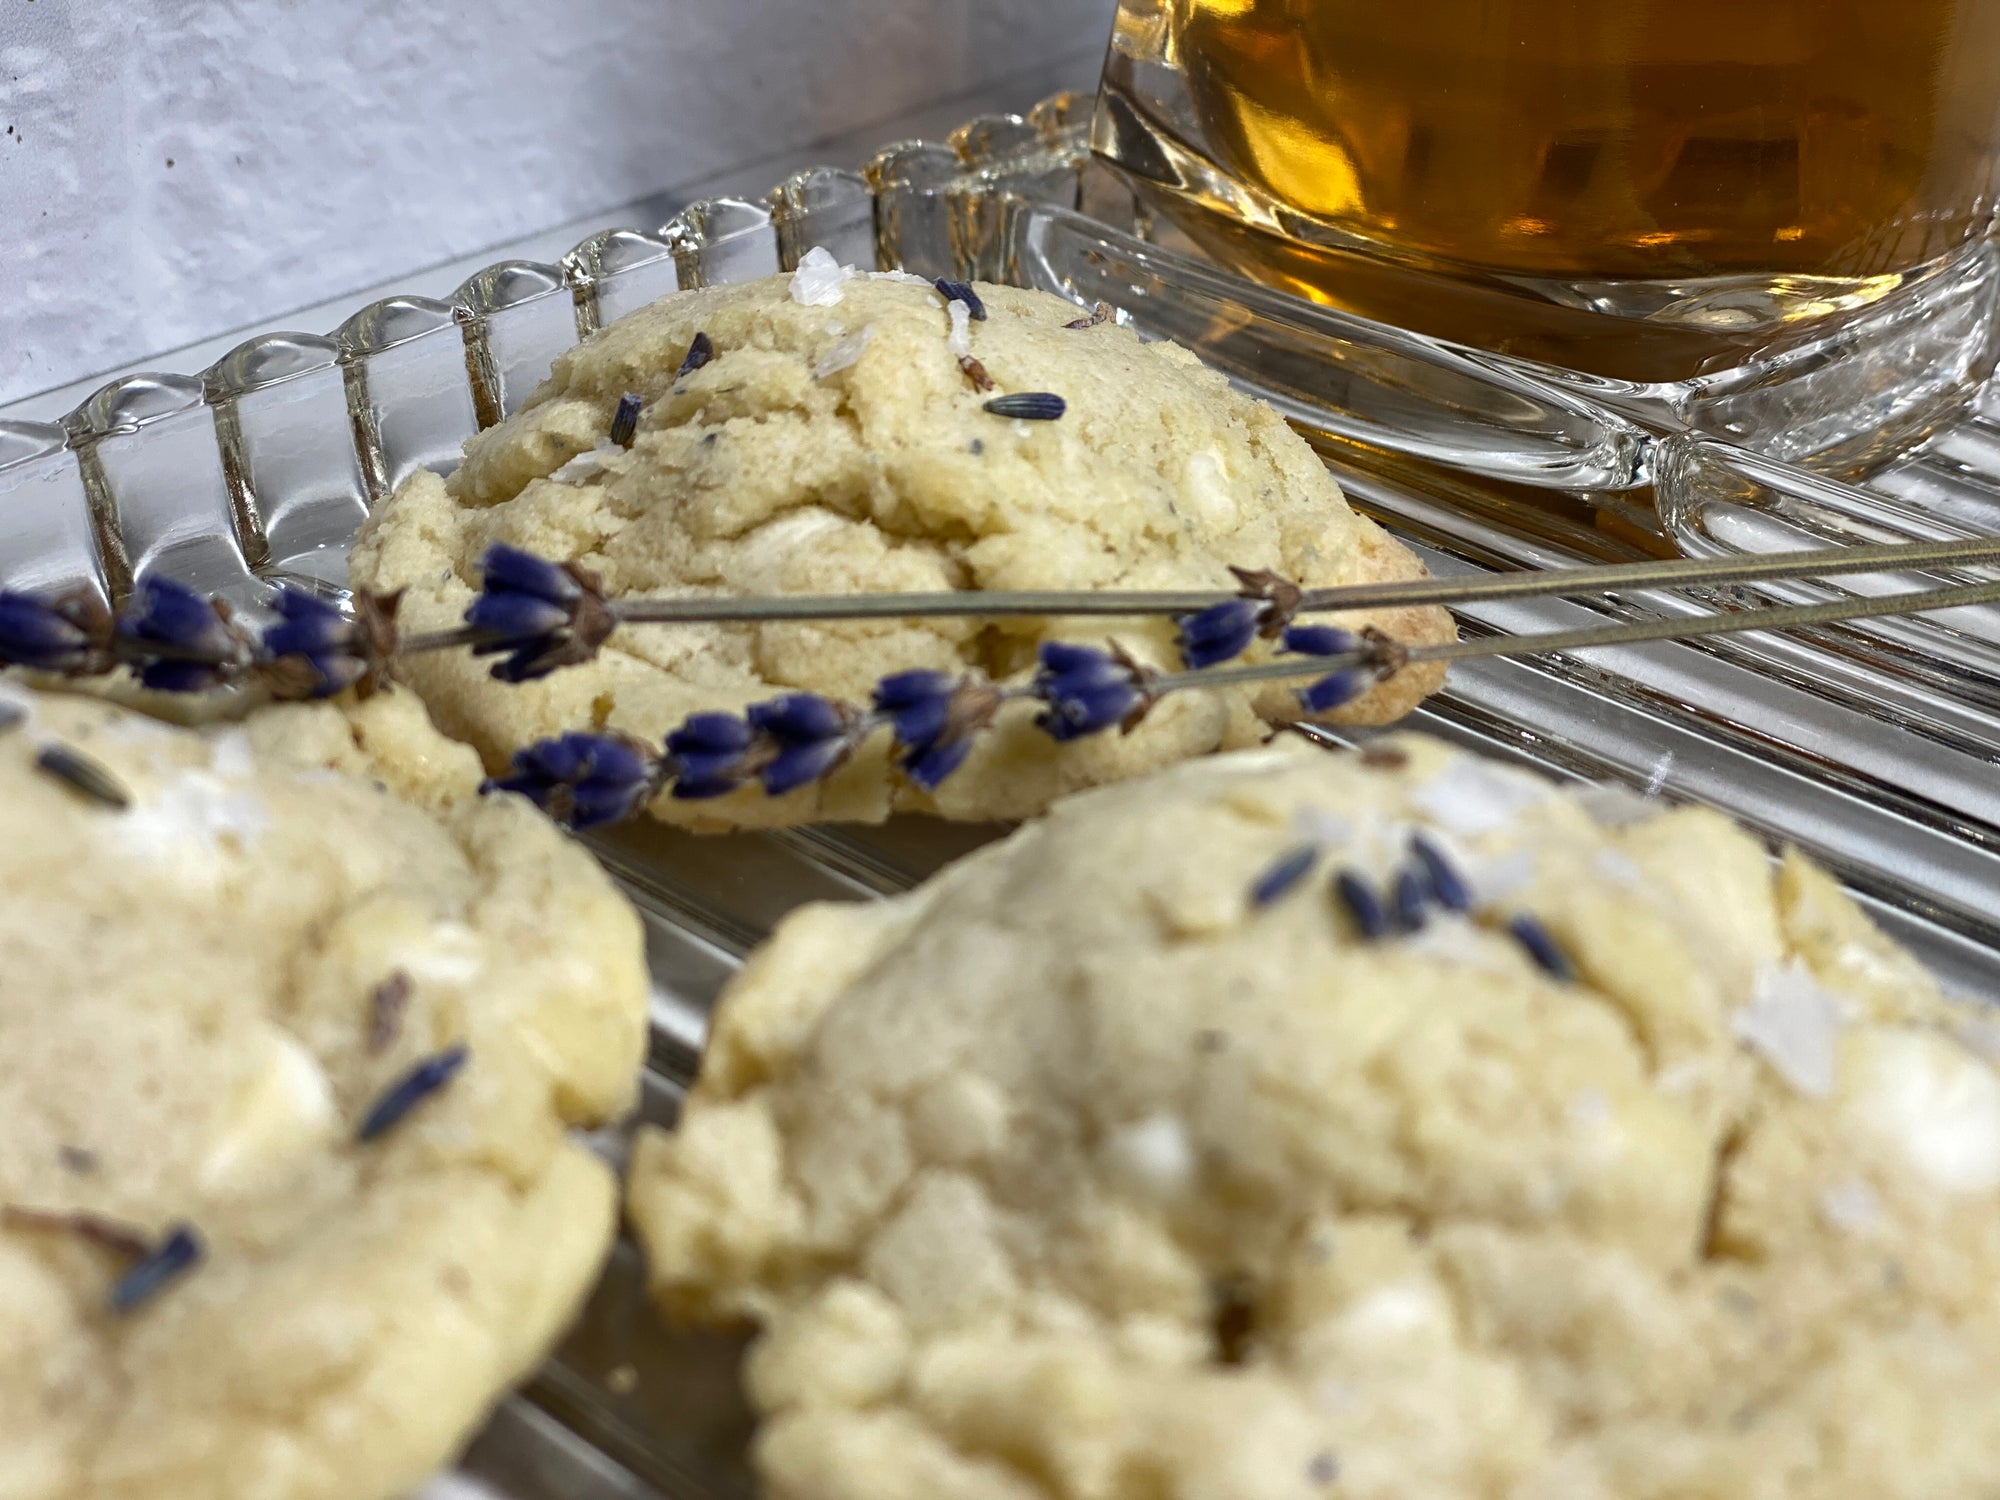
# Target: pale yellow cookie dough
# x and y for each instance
(1075, 1174)
(191, 1032)
(779, 468)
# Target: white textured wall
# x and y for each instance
(174, 168)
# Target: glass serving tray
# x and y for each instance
(1870, 745)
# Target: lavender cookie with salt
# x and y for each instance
(833, 432)
(297, 1028)
(1288, 1126)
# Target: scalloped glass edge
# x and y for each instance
(230, 477)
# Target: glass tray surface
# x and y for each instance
(1871, 745)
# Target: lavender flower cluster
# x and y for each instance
(177, 641)
(541, 615)
(537, 617)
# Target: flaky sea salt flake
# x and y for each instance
(1154, 1154)
(819, 278)
(587, 464)
(1470, 797)
(845, 353)
(1794, 1025)
(1611, 804)
(1851, 1206)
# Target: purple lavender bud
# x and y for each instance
(1028, 406)
(709, 755)
(1222, 632)
(1362, 904)
(514, 617)
(1409, 898)
(196, 646)
(167, 613)
(1319, 640)
(917, 704)
(1282, 874)
(961, 291)
(512, 570)
(1331, 692)
(701, 349)
(710, 734)
(582, 780)
(35, 632)
(179, 676)
(407, 1092)
(1448, 886)
(625, 420)
(1066, 656)
(802, 764)
(1087, 691)
(935, 718)
(800, 717)
(178, 1252)
(541, 615)
(812, 736)
(1537, 942)
(929, 766)
(318, 641)
(307, 625)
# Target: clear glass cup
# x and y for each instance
(1650, 191)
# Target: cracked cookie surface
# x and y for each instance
(1077, 1173)
(201, 996)
(832, 447)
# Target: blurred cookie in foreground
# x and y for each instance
(835, 432)
(298, 1030)
(1372, 1125)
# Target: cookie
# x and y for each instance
(297, 1029)
(1378, 1125)
(832, 443)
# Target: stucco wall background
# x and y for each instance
(178, 168)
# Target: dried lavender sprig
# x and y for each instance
(1479, 588)
(1086, 691)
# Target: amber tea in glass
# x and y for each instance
(1644, 189)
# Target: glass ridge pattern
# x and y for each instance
(1871, 745)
